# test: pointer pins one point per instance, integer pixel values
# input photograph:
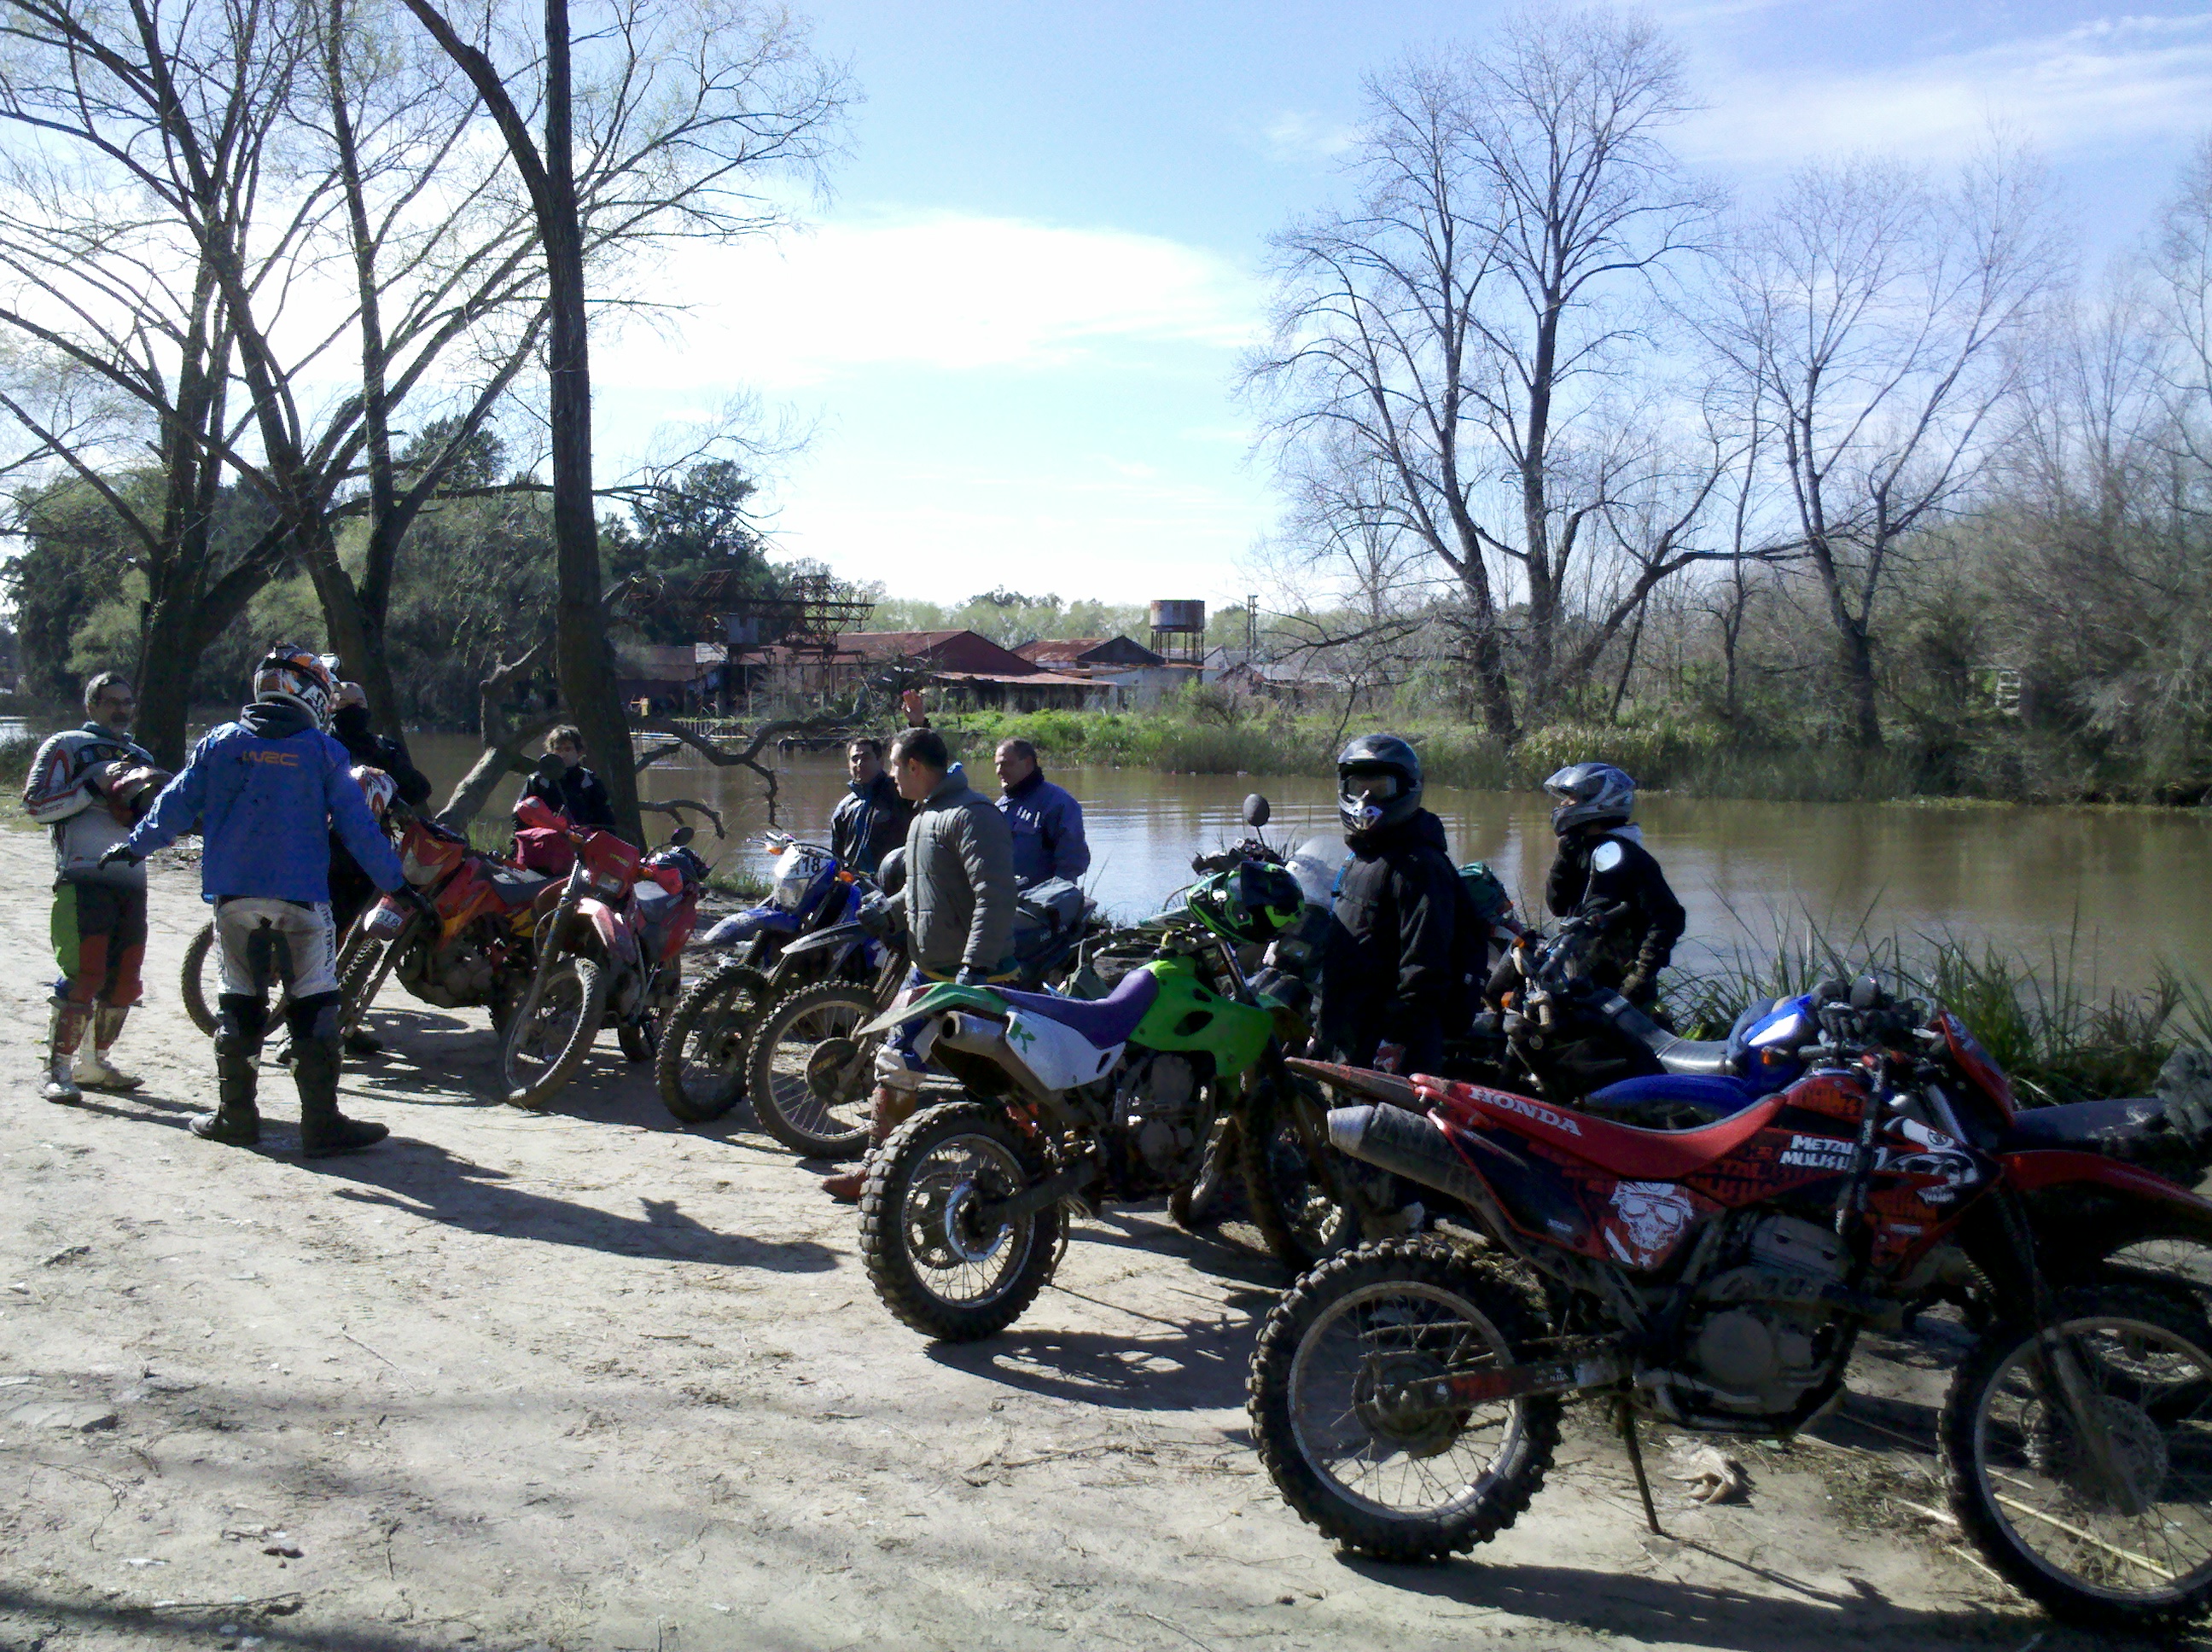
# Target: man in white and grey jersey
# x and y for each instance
(87, 785)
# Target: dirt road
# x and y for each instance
(589, 1380)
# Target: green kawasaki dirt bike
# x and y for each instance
(1070, 1101)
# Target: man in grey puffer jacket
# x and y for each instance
(959, 908)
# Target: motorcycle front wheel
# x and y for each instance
(1197, 1203)
(542, 1049)
(1292, 1203)
(809, 1077)
(700, 1070)
(2097, 1505)
(934, 1262)
(198, 975)
(1336, 1400)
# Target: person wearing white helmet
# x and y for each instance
(1603, 866)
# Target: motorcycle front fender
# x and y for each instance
(615, 940)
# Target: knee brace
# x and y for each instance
(241, 1021)
(315, 1019)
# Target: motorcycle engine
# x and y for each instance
(1757, 1339)
(458, 973)
(1155, 1119)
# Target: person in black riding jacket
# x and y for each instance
(1603, 867)
(1391, 965)
(871, 819)
(352, 889)
(579, 793)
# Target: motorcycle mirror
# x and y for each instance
(1866, 992)
(682, 835)
(1256, 810)
(1830, 991)
(550, 768)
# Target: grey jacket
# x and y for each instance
(959, 893)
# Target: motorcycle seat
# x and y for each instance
(517, 889)
(1620, 1150)
(1100, 1022)
(1672, 1100)
(1690, 1057)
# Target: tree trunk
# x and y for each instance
(584, 662)
(169, 653)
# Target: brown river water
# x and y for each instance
(2118, 891)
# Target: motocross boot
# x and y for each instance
(241, 1020)
(64, 1034)
(324, 1130)
(893, 1108)
(93, 1070)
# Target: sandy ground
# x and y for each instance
(591, 1380)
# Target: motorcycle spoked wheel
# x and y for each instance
(928, 1259)
(1293, 1207)
(700, 1070)
(2026, 1488)
(1200, 1202)
(541, 1053)
(363, 968)
(809, 1078)
(1385, 1477)
(204, 968)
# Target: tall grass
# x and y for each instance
(1698, 758)
(2057, 1034)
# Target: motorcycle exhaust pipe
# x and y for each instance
(1408, 1143)
(975, 1035)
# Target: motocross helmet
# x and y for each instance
(303, 678)
(132, 791)
(1252, 902)
(891, 870)
(1590, 794)
(1378, 782)
(378, 789)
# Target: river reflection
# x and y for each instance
(2132, 883)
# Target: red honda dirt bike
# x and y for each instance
(480, 955)
(1405, 1397)
(610, 942)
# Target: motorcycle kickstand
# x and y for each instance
(1636, 1466)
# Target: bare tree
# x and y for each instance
(1876, 314)
(1466, 322)
(2181, 268)
(709, 60)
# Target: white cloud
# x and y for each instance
(940, 290)
(2100, 85)
(1295, 134)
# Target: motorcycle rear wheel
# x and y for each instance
(930, 1263)
(700, 1070)
(810, 1080)
(1197, 1203)
(1387, 1479)
(194, 986)
(2025, 1490)
(542, 1052)
(1293, 1207)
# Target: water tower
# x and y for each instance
(1179, 632)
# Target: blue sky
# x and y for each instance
(1015, 326)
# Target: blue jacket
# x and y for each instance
(1047, 825)
(267, 792)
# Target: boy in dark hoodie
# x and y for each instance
(1390, 975)
(267, 792)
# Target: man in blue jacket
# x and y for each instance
(266, 793)
(1046, 819)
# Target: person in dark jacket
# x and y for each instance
(1390, 975)
(1603, 866)
(579, 793)
(871, 819)
(1046, 819)
(352, 889)
(265, 793)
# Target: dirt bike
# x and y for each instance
(609, 942)
(482, 953)
(810, 1069)
(1068, 1101)
(702, 1066)
(1406, 1398)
